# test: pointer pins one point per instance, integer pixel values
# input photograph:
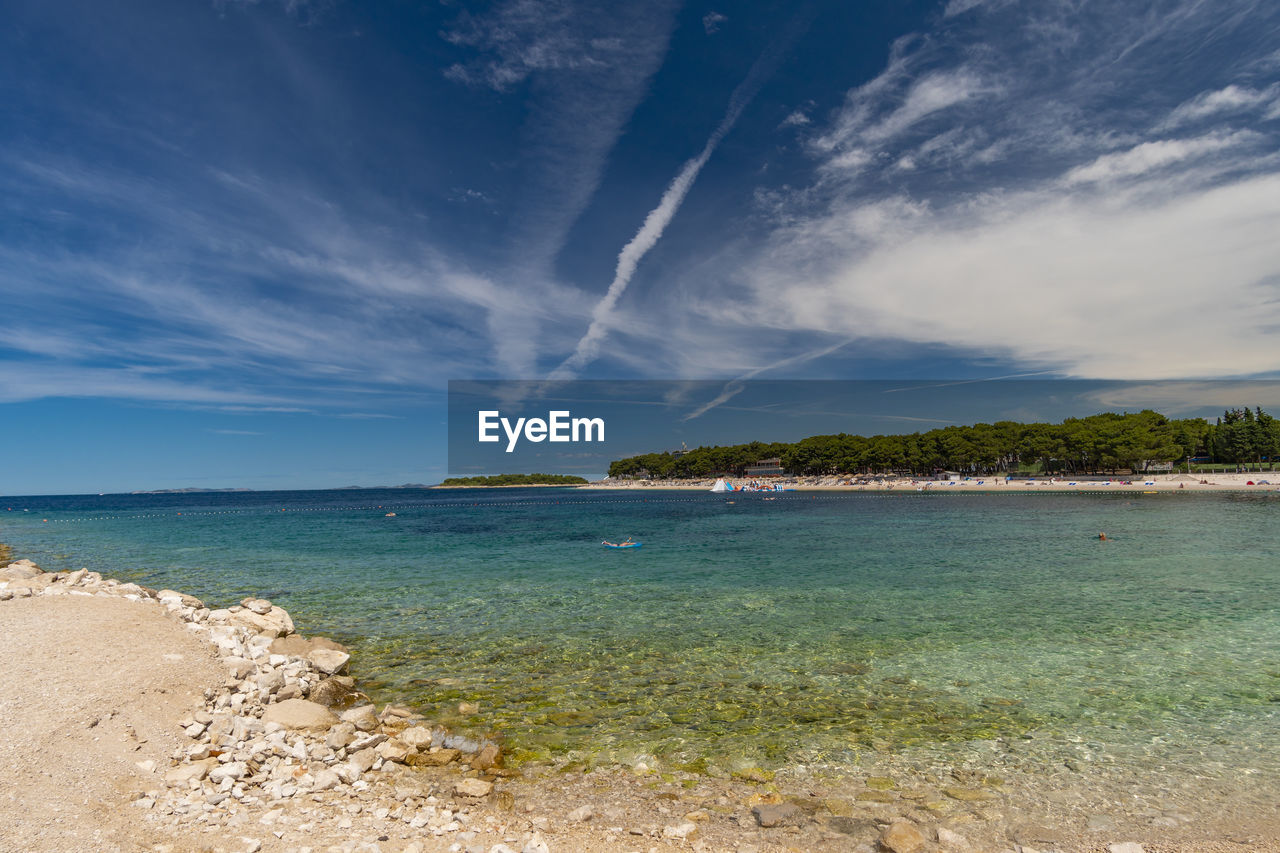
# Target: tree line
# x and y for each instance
(517, 480)
(1102, 443)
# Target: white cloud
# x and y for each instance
(1181, 398)
(959, 7)
(927, 96)
(521, 38)
(711, 22)
(877, 114)
(1230, 99)
(798, 118)
(1008, 189)
(1150, 156)
(1135, 286)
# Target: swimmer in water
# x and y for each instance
(1102, 537)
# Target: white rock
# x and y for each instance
(683, 830)
(366, 741)
(418, 737)
(1125, 847)
(300, 714)
(324, 780)
(473, 788)
(950, 838)
(393, 750)
(229, 771)
(344, 733)
(363, 760)
(364, 717)
(183, 775)
(239, 668)
(328, 661)
(580, 814)
(536, 845)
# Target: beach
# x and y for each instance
(1251, 482)
(138, 719)
(717, 690)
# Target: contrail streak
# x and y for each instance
(737, 385)
(660, 217)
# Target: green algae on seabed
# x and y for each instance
(751, 722)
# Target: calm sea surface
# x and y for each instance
(812, 627)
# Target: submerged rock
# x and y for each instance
(434, 758)
(902, 837)
(293, 645)
(487, 758)
(779, 814)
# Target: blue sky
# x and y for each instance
(247, 243)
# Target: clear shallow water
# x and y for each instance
(814, 627)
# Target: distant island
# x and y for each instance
(371, 488)
(187, 491)
(515, 480)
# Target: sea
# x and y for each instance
(752, 631)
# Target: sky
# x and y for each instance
(247, 243)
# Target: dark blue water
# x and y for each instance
(810, 627)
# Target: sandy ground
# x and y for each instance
(90, 686)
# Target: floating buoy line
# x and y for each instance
(387, 508)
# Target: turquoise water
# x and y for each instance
(813, 627)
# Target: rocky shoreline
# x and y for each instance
(286, 726)
(286, 754)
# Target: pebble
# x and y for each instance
(473, 788)
(780, 814)
(535, 845)
(902, 837)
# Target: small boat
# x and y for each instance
(627, 544)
